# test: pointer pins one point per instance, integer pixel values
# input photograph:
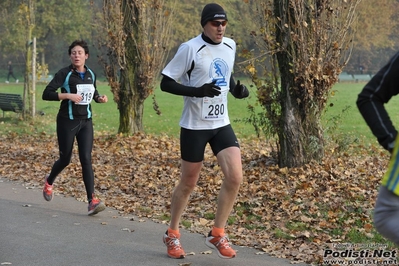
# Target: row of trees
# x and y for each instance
(294, 51)
(58, 22)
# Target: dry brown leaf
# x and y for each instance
(206, 252)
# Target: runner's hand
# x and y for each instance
(240, 91)
(207, 90)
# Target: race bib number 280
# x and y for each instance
(87, 93)
(214, 108)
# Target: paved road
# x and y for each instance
(36, 232)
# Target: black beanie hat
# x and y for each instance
(212, 12)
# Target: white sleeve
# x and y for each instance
(180, 63)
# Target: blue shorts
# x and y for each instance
(193, 142)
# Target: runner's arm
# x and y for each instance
(207, 90)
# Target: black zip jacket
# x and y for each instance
(67, 108)
(372, 98)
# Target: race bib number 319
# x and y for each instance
(87, 93)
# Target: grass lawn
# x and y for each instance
(106, 116)
(341, 116)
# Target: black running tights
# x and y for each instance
(67, 130)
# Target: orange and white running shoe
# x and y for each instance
(222, 246)
(173, 245)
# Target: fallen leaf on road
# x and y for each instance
(207, 252)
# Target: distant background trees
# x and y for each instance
(58, 22)
(376, 37)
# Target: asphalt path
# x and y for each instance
(36, 232)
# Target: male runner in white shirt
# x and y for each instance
(201, 72)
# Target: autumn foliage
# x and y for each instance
(288, 213)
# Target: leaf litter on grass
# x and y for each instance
(287, 213)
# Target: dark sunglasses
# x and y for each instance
(218, 23)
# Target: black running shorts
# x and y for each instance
(193, 142)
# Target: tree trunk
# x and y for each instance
(33, 90)
(130, 115)
(291, 135)
(27, 85)
(130, 111)
(300, 133)
(300, 136)
(131, 104)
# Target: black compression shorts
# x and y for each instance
(193, 142)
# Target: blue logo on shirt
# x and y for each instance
(218, 71)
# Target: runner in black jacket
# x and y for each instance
(74, 119)
(377, 92)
